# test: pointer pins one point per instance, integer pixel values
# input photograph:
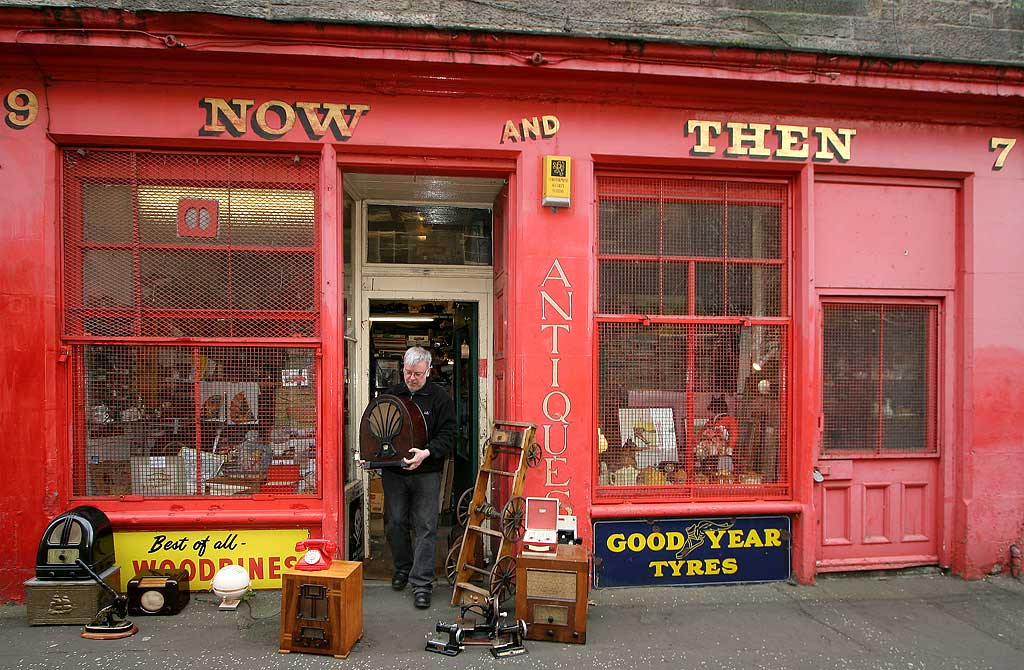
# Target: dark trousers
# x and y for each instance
(411, 508)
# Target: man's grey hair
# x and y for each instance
(417, 355)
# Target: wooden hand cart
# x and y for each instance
(501, 515)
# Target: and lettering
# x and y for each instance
(532, 128)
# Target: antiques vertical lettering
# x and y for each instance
(556, 320)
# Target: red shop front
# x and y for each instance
(758, 300)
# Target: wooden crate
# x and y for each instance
(322, 611)
(68, 602)
(551, 594)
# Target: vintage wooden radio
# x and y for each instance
(551, 594)
(158, 592)
(322, 612)
(390, 428)
(81, 533)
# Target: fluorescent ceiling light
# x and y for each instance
(398, 318)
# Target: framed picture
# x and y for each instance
(652, 433)
(388, 373)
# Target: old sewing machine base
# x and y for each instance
(492, 629)
(110, 622)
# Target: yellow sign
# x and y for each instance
(557, 181)
(263, 553)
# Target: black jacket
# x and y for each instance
(439, 415)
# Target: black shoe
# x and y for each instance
(399, 580)
(422, 600)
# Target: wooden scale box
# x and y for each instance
(551, 594)
(66, 601)
(322, 610)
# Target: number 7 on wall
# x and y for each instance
(1005, 143)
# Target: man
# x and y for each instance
(411, 493)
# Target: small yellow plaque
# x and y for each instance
(557, 181)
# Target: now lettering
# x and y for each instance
(276, 118)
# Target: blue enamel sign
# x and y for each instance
(683, 552)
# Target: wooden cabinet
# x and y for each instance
(551, 594)
(322, 611)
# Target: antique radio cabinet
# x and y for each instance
(551, 594)
(322, 611)
(158, 592)
(390, 428)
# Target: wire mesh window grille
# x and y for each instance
(879, 386)
(147, 411)
(693, 339)
(136, 265)
(220, 252)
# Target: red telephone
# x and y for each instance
(319, 554)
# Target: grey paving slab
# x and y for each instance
(919, 621)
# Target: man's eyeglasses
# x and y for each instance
(417, 375)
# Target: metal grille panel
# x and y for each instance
(693, 339)
(206, 247)
(185, 245)
(144, 412)
(879, 386)
(659, 423)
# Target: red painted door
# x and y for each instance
(879, 469)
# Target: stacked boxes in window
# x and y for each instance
(282, 477)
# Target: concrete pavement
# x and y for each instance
(921, 620)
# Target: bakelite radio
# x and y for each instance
(158, 592)
(390, 428)
(83, 533)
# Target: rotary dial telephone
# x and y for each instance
(318, 556)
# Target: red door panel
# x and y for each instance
(885, 516)
(880, 464)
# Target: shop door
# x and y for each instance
(879, 469)
(885, 266)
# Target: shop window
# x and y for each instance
(191, 311)
(249, 412)
(428, 235)
(693, 330)
(133, 270)
(879, 383)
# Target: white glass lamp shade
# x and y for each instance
(230, 582)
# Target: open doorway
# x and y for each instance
(450, 331)
(418, 269)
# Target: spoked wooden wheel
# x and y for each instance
(503, 579)
(513, 519)
(451, 563)
(533, 455)
(462, 507)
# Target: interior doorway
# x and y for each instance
(418, 270)
(449, 330)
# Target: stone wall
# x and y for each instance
(971, 31)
